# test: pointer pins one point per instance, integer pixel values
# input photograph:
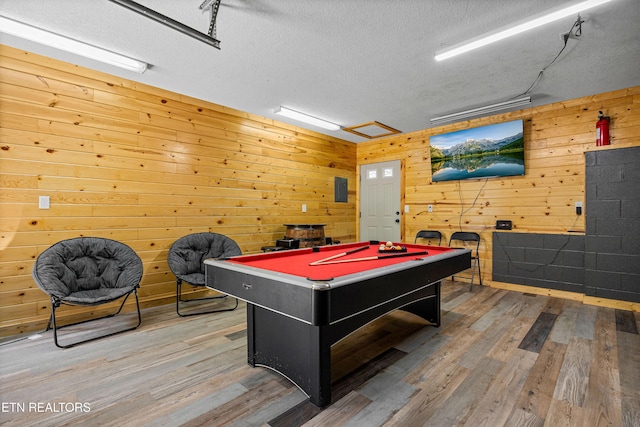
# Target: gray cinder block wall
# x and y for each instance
(605, 262)
(552, 261)
(612, 241)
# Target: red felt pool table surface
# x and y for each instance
(297, 262)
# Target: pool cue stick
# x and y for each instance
(371, 258)
(352, 251)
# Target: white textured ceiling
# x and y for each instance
(351, 61)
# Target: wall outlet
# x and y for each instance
(430, 208)
(304, 207)
(578, 208)
(406, 208)
(44, 202)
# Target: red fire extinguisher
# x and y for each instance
(602, 130)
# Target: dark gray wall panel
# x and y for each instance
(605, 262)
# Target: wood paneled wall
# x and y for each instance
(543, 200)
(145, 166)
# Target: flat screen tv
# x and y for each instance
(484, 152)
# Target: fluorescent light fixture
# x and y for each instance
(305, 118)
(28, 32)
(517, 28)
(481, 111)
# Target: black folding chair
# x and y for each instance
(465, 239)
(429, 235)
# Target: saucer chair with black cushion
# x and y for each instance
(186, 260)
(88, 271)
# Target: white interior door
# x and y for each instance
(380, 201)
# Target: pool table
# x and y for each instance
(297, 309)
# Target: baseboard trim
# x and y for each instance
(597, 301)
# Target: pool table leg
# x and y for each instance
(428, 308)
(297, 350)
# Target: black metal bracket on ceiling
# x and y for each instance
(212, 5)
(172, 23)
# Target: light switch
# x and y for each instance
(44, 202)
(304, 208)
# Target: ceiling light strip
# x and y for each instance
(305, 118)
(517, 28)
(28, 32)
(481, 111)
(168, 22)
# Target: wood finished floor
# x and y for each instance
(500, 358)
